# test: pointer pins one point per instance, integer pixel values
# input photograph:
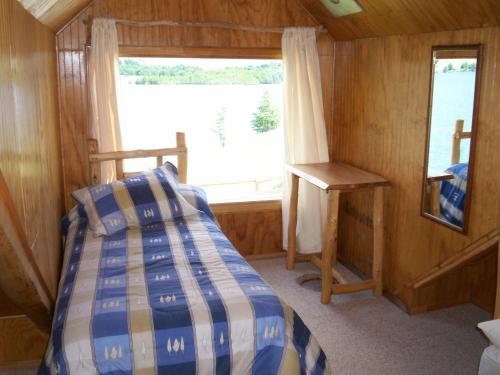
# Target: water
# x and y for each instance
(453, 99)
(151, 114)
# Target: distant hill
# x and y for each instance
(145, 74)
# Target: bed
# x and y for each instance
(168, 297)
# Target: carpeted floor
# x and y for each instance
(362, 335)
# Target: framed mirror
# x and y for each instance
(451, 133)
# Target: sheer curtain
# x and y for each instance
(103, 83)
(305, 133)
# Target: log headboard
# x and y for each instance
(96, 158)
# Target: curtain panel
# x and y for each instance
(305, 134)
(103, 84)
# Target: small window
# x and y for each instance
(230, 110)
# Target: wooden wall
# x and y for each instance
(379, 123)
(30, 156)
(72, 78)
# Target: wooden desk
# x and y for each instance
(335, 178)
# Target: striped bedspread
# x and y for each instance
(170, 298)
(453, 192)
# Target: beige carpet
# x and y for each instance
(362, 335)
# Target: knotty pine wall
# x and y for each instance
(29, 159)
(242, 223)
(379, 123)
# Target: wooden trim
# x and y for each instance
(247, 206)
(278, 254)
(472, 250)
(20, 277)
(201, 52)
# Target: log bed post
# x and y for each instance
(182, 157)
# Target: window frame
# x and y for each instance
(212, 53)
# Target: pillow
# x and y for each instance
(492, 330)
(197, 198)
(143, 199)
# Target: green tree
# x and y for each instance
(267, 116)
(448, 68)
(220, 126)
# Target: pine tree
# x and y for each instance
(220, 126)
(267, 116)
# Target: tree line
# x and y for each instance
(146, 74)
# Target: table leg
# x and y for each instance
(378, 239)
(292, 223)
(329, 245)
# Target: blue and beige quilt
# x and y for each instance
(172, 297)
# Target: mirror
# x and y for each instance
(451, 129)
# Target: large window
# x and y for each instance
(230, 110)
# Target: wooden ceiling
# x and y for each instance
(54, 13)
(394, 17)
(379, 17)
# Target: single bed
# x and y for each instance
(170, 297)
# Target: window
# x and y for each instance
(230, 110)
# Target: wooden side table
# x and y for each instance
(335, 178)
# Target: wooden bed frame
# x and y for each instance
(96, 158)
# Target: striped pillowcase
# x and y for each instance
(137, 201)
(197, 198)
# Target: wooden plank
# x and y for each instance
(354, 287)
(201, 52)
(292, 222)
(337, 176)
(246, 206)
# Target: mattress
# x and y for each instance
(173, 297)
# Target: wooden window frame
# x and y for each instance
(213, 53)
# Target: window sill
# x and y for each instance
(246, 206)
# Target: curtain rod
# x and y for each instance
(218, 25)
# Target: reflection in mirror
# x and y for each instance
(450, 134)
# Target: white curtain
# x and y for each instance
(305, 134)
(103, 84)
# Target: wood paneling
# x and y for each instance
(380, 117)
(395, 17)
(30, 154)
(239, 226)
(30, 157)
(254, 228)
(22, 343)
(54, 13)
